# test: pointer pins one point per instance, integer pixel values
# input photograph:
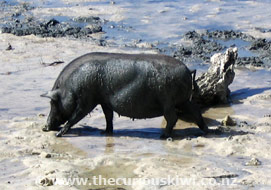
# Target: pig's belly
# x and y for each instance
(139, 112)
(137, 106)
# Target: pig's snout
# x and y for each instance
(51, 125)
(46, 128)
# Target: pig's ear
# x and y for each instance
(53, 95)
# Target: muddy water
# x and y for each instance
(136, 143)
(250, 85)
(140, 139)
(167, 20)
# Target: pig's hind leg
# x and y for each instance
(171, 118)
(109, 119)
(194, 110)
(78, 114)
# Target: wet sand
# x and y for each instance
(32, 159)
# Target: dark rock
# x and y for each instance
(249, 61)
(52, 22)
(191, 35)
(228, 35)
(204, 45)
(51, 28)
(53, 63)
(260, 44)
(201, 47)
(263, 48)
(91, 19)
(26, 6)
(9, 47)
(20, 22)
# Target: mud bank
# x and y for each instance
(254, 52)
(20, 21)
(54, 28)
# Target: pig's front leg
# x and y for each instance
(77, 115)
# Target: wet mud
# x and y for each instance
(195, 46)
(22, 23)
(256, 52)
(239, 151)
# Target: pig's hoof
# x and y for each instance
(59, 134)
(205, 131)
(107, 133)
(45, 129)
(204, 128)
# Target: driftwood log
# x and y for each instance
(212, 87)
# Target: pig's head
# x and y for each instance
(56, 116)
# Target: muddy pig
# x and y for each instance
(133, 85)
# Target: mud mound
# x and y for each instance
(18, 20)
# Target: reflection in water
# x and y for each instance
(109, 145)
(139, 136)
(211, 116)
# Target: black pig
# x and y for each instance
(137, 86)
